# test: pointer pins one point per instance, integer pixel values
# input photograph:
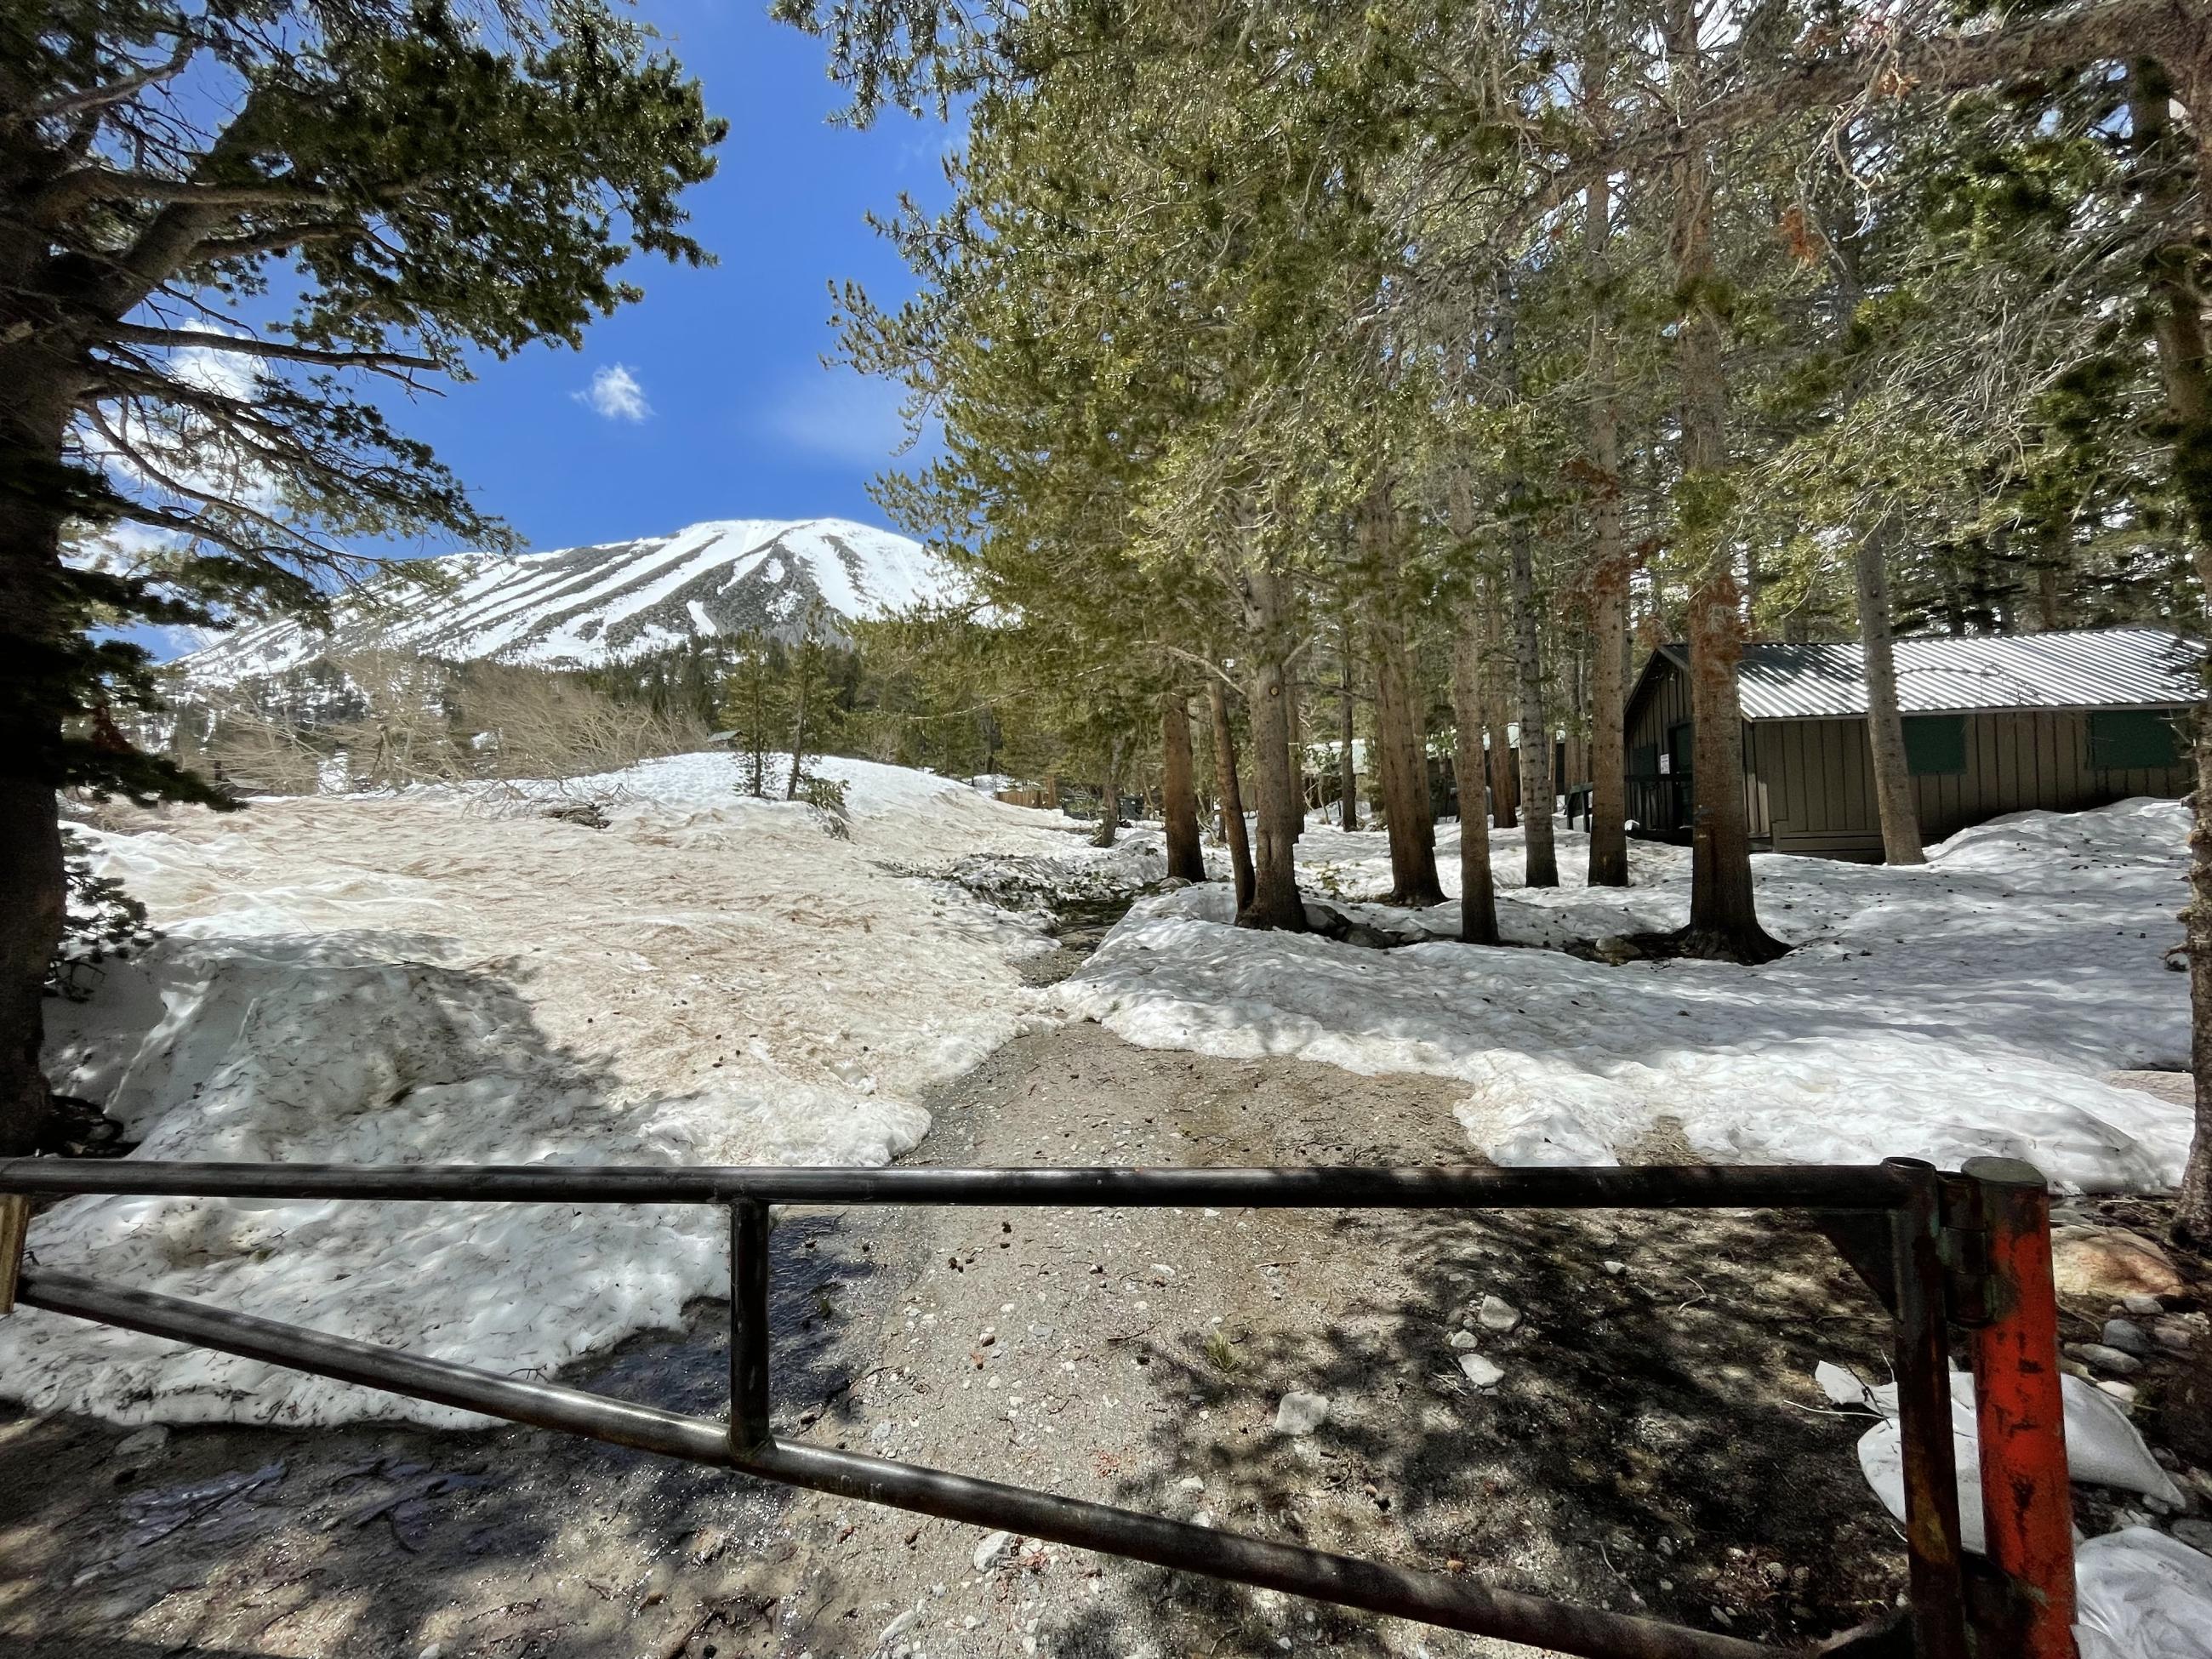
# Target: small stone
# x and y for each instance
(1203, 1518)
(2197, 1534)
(2105, 1358)
(2173, 1335)
(896, 1628)
(1464, 1341)
(2143, 1306)
(1613, 1269)
(141, 1441)
(2127, 1336)
(1042, 1333)
(2123, 1392)
(1301, 1413)
(432, 1650)
(1483, 1373)
(1191, 1483)
(991, 1549)
(1497, 1313)
(1773, 1572)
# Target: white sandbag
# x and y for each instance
(2142, 1595)
(2102, 1447)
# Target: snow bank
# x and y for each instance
(1969, 1007)
(448, 977)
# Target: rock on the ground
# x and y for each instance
(1301, 1413)
(2143, 1307)
(1483, 1373)
(1497, 1313)
(2104, 1358)
(991, 1549)
(2172, 1334)
(2128, 1337)
(1464, 1341)
(2103, 1264)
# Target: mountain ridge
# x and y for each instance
(607, 602)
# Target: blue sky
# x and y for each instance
(707, 398)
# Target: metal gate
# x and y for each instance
(1970, 1249)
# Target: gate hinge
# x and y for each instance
(1964, 1253)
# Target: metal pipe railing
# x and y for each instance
(1939, 1249)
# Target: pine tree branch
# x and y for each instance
(175, 339)
(110, 91)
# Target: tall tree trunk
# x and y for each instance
(1724, 916)
(1608, 772)
(1504, 788)
(1348, 733)
(1232, 796)
(2178, 328)
(1179, 791)
(32, 627)
(1477, 902)
(1401, 748)
(1893, 777)
(1110, 797)
(1279, 804)
(1537, 793)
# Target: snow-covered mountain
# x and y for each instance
(581, 607)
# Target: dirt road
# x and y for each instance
(1653, 1443)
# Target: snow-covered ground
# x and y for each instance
(449, 976)
(1969, 1007)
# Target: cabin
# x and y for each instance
(1993, 724)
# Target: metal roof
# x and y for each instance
(2091, 668)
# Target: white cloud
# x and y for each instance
(844, 416)
(615, 394)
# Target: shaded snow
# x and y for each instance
(1969, 1007)
(449, 976)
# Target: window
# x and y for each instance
(2132, 739)
(1935, 744)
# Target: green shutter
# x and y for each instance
(2131, 740)
(1935, 744)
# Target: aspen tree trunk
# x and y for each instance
(1477, 902)
(1347, 729)
(1232, 796)
(1110, 797)
(1608, 771)
(797, 731)
(1892, 778)
(1278, 805)
(1537, 793)
(2178, 325)
(1179, 791)
(1724, 916)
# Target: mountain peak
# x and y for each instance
(584, 607)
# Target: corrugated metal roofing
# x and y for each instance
(1938, 676)
(2095, 668)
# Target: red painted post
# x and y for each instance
(2027, 1502)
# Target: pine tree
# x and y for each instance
(415, 182)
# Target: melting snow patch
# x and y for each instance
(1968, 1006)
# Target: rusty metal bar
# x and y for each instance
(1434, 1598)
(2027, 1504)
(1934, 1546)
(749, 1327)
(15, 1229)
(1751, 1187)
